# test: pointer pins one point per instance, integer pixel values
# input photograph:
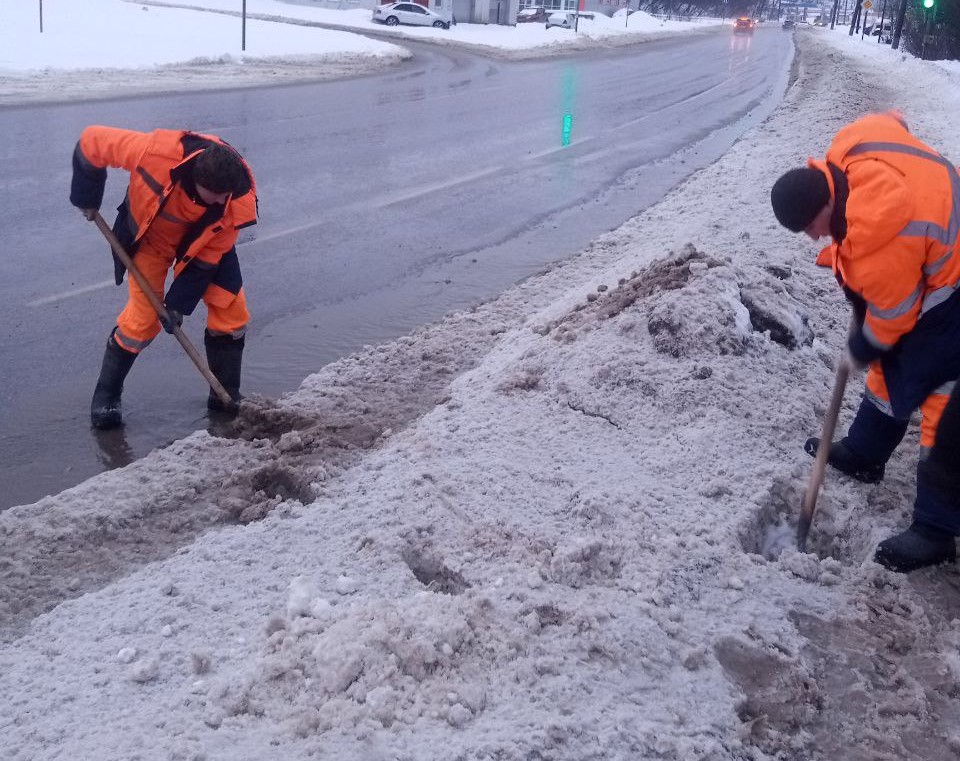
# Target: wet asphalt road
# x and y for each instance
(386, 201)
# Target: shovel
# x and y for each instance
(823, 451)
(161, 311)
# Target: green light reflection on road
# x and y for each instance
(566, 129)
(568, 90)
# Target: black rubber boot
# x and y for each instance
(105, 407)
(225, 356)
(846, 461)
(917, 547)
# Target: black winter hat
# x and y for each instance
(798, 196)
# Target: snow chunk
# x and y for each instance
(127, 655)
(305, 600)
(145, 670)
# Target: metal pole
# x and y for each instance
(41, 16)
(243, 32)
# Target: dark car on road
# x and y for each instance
(533, 13)
(789, 23)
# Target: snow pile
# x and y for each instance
(82, 53)
(153, 35)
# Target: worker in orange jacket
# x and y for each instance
(189, 195)
(892, 207)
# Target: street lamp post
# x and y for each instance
(243, 27)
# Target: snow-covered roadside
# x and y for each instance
(562, 559)
(56, 86)
(114, 49)
(512, 42)
(118, 48)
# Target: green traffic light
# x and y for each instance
(928, 4)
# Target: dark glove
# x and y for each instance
(88, 182)
(175, 321)
(860, 350)
(856, 365)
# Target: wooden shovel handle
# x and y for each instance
(161, 311)
(823, 452)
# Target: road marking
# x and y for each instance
(68, 294)
(411, 194)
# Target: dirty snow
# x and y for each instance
(560, 556)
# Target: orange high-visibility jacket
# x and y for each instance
(902, 226)
(157, 161)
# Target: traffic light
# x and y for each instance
(928, 4)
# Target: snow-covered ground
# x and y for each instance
(568, 552)
(90, 54)
(111, 48)
(531, 37)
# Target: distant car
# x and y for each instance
(884, 31)
(743, 25)
(534, 13)
(409, 13)
(566, 20)
(789, 23)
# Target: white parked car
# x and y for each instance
(566, 19)
(409, 13)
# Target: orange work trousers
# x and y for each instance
(138, 323)
(931, 409)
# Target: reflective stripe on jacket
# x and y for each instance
(902, 225)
